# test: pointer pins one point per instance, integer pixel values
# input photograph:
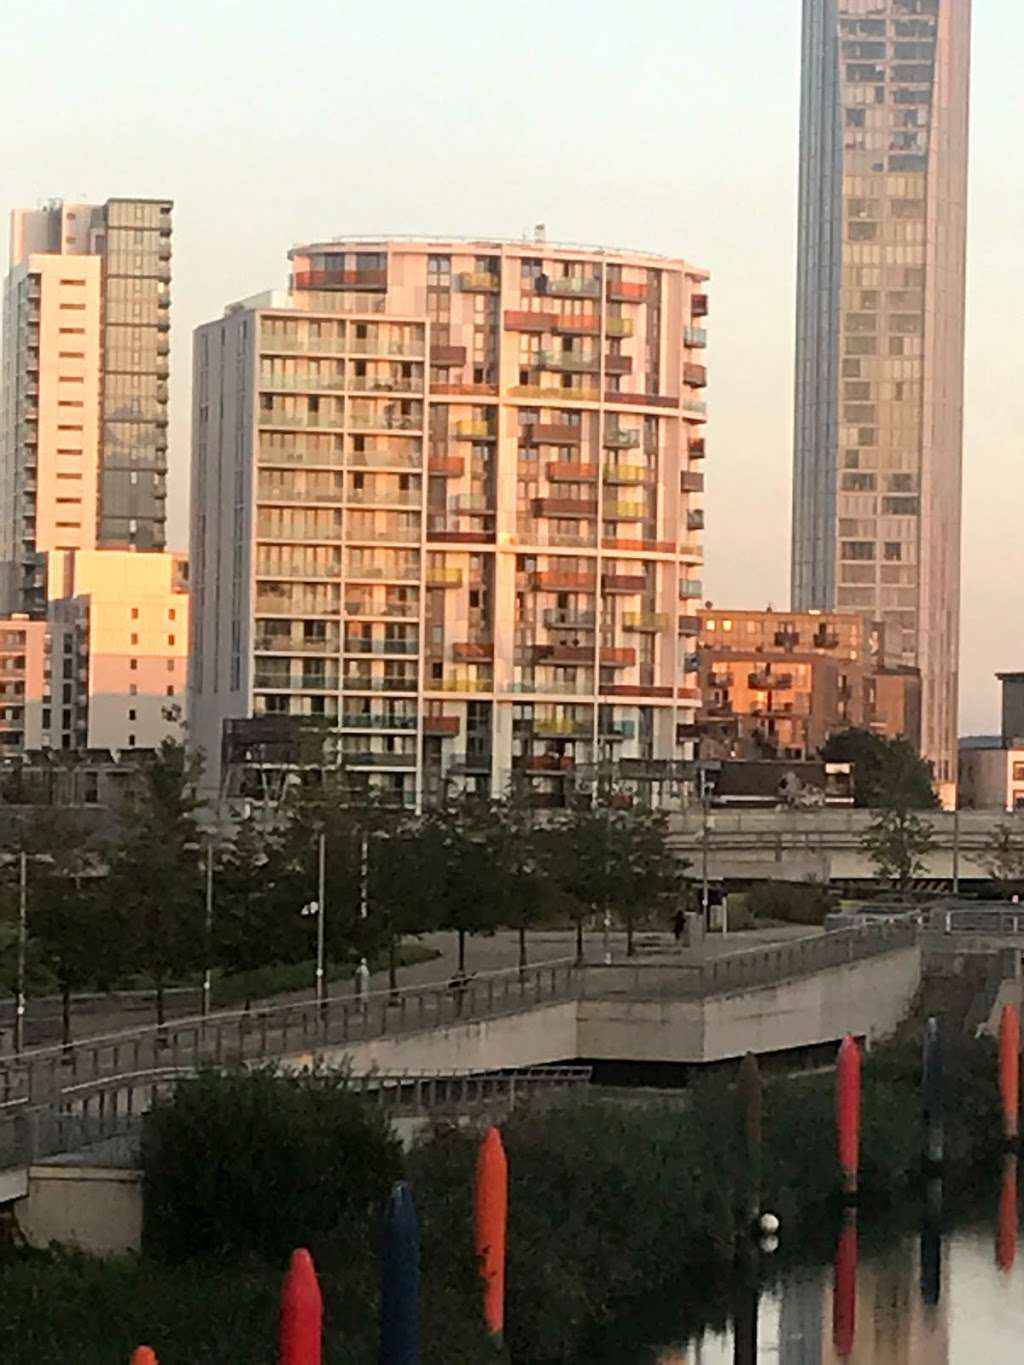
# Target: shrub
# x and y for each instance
(793, 902)
(260, 1162)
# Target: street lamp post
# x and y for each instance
(207, 971)
(19, 1003)
(321, 983)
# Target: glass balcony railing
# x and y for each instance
(361, 721)
(573, 287)
(622, 440)
(359, 645)
(695, 336)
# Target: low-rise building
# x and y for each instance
(992, 766)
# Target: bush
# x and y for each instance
(259, 1162)
(792, 902)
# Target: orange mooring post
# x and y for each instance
(1009, 1070)
(848, 1112)
(492, 1227)
(302, 1311)
(145, 1355)
(1006, 1235)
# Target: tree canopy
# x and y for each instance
(887, 773)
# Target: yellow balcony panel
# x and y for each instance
(645, 620)
(444, 577)
(624, 511)
(474, 429)
(626, 473)
(479, 282)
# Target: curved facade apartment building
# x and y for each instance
(447, 504)
(880, 331)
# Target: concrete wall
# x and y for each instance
(93, 1208)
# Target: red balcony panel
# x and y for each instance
(629, 291)
(565, 507)
(447, 355)
(689, 694)
(569, 471)
(582, 324)
(691, 482)
(341, 279)
(634, 690)
(473, 651)
(657, 547)
(461, 537)
(695, 448)
(530, 322)
(618, 657)
(699, 306)
(618, 364)
(541, 763)
(553, 434)
(695, 375)
(561, 580)
(689, 625)
(641, 400)
(464, 390)
(441, 725)
(450, 466)
(626, 583)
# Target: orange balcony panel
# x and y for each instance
(450, 466)
(689, 694)
(577, 324)
(543, 763)
(565, 655)
(618, 364)
(641, 400)
(447, 355)
(629, 291)
(699, 306)
(441, 725)
(621, 582)
(657, 547)
(473, 651)
(569, 471)
(634, 690)
(695, 449)
(691, 482)
(461, 537)
(618, 658)
(553, 434)
(565, 507)
(464, 390)
(529, 322)
(561, 580)
(695, 375)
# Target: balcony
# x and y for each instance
(689, 625)
(565, 728)
(627, 473)
(544, 763)
(763, 680)
(624, 511)
(552, 434)
(359, 644)
(634, 690)
(443, 356)
(561, 619)
(359, 459)
(561, 580)
(629, 291)
(285, 682)
(462, 685)
(641, 400)
(475, 429)
(585, 509)
(441, 725)
(623, 583)
(284, 644)
(362, 721)
(695, 519)
(383, 421)
(577, 324)
(473, 504)
(617, 730)
(618, 327)
(685, 731)
(371, 758)
(448, 466)
(617, 439)
(473, 651)
(568, 471)
(440, 536)
(341, 279)
(695, 448)
(464, 390)
(694, 408)
(690, 587)
(479, 282)
(691, 482)
(699, 306)
(695, 375)
(444, 578)
(691, 662)
(572, 287)
(361, 497)
(696, 337)
(568, 362)
(618, 656)
(367, 682)
(618, 364)
(529, 322)
(563, 656)
(825, 639)
(555, 395)
(649, 621)
(638, 544)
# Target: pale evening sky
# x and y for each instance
(668, 125)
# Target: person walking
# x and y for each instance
(362, 985)
(678, 926)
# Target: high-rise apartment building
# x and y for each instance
(83, 461)
(446, 505)
(880, 331)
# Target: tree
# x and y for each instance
(157, 874)
(524, 896)
(897, 840)
(1002, 857)
(403, 874)
(462, 837)
(887, 773)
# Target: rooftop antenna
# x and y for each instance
(540, 232)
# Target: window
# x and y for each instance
(172, 614)
(133, 690)
(131, 713)
(135, 613)
(170, 665)
(1018, 772)
(134, 639)
(131, 741)
(133, 664)
(170, 690)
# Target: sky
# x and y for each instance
(667, 125)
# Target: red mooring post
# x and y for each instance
(1006, 1235)
(1009, 1070)
(844, 1288)
(491, 1227)
(145, 1355)
(302, 1311)
(848, 1112)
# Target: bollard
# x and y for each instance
(301, 1318)
(1009, 1070)
(848, 1113)
(931, 1093)
(1006, 1235)
(844, 1288)
(400, 1270)
(491, 1227)
(931, 1245)
(144, 1356)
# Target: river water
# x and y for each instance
(915, 1296)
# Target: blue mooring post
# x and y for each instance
(400, 1273)
(931, 1093)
